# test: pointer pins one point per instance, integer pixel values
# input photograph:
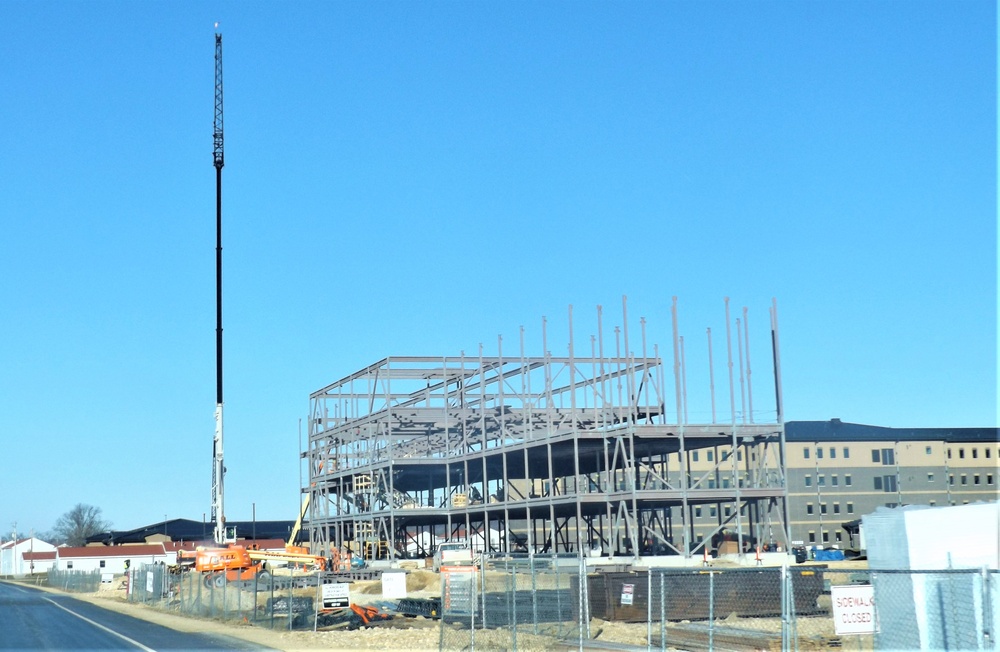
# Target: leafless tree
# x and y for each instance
(77, 524)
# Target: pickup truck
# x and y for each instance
(453, 553)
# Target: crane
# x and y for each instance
(218, 468)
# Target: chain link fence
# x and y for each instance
(936, 610)
(522, 603)
(514, 602)
(74, 581)
(540, 602)
(279, 600)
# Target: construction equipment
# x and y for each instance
(236, 563)
(218, 467)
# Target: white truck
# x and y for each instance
(453, 553)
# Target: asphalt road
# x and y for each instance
(36, 620)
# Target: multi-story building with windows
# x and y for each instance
(838, 471)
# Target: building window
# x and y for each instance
(961, 453)
(847, 479)
(965, 479)
(69, 565)
(850, 508)
(930, 477)
(987, 453)
(928, 450)
(102, 563)
(697, 512)
(821, 480)
(838, 536)
(739, 456)
(826, 537)
(833, 452)
(725, 483)
(819, 452)
(709, 456)
(951, 478)
(809, 481)
(888, 483)
(975, 453)
(694, 456)
(975, 479)
(989, 478)
(729, 510)
(836, 508)
(888, 457)
(822, 508)
(812, 537)
(712, 511)
(834, 480)
(932, 503)
(711, 483)
(847, 452)
(809, 508)
(805, 452)
(878, 483)
(725, 455)
(875, 456)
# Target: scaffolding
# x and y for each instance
(556, 454)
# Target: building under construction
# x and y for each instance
(560, 454)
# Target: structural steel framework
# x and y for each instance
(539, 454)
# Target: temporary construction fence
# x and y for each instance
(538, 603)
(74, 581)
(282, 600)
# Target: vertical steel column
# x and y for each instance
(682, 451)
(733, 456)
(746, 335)
(779, 404)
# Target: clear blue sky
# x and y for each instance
(417, 178)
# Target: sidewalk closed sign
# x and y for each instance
(853, 609)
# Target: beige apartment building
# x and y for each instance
(837, 471)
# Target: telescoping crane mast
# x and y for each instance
(218, 468)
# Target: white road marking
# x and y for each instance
(100, 626)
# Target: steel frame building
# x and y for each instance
(546, 453)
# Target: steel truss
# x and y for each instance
(544, 454)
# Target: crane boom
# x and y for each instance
(218, 467)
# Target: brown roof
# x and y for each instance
(39, 556)
(149, 549)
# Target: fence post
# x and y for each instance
(784, 606)
(987, 603)
(663, 610)
(649, 608)
(711, 610)
(512, 596)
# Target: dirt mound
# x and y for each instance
(416, 580)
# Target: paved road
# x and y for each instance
(36, 620)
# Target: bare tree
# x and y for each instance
(77, 524)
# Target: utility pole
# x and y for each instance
(218, 468)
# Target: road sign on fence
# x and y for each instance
(627, 592)
(853, 609)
